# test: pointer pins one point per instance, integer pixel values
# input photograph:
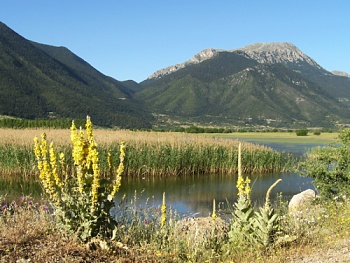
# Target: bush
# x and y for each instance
(302, 132)
(330, 167)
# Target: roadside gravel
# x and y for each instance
(337, 252)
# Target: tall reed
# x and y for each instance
(147, 154)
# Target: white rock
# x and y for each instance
(301, 200)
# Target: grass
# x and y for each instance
(147, 154)
(28, 232)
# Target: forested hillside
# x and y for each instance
(41, 81)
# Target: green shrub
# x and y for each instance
(302, 132)
(330, 167)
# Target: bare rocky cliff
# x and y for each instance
(340, 73)
(280, 52)
(199, 57)
(270, 53)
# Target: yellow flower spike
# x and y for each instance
(88, 126)
(240, 180)
(53, 163)
(62, 162)
(92, 163)
(96, 178)
(73, 134)
(37, 150)
(110, 161)
(214, 216)
(79, 149)
(120, 170)
(247, 189)
(243, 186)
(240, 186)
(79, 155)
(43, 147)
(164, 216)
(45, 174)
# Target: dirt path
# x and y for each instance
(339, 252)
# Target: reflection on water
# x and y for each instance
(195, 194)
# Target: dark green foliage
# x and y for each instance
(40, 82)
(13, 123)
(302, 132)
(195, 129)
(330, 167)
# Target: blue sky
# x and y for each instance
(128, 39)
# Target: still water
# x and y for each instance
(194, 195)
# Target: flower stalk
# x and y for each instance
(164, 214)
(80, 200)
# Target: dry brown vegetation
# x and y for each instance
(28, 230)
(29, 234)
(147, 153)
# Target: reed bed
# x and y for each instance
(147, 153)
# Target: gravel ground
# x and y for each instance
(339, 252)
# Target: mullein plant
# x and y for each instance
(213, 215)
(247, 226)
(164, 214)
(266, 221)
(241, 228)
(83, 199)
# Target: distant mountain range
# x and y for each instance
(271, 84)
(264, 83)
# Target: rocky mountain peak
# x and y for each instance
(271, 53)
(278, 52)
(199, 57)
(203, 55)
(340, 73)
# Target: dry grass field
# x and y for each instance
(30, 233)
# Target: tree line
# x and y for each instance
(13, 123)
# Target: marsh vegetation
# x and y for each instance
(70, 222)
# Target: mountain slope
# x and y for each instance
(291, 57)
(38, 81)
(267, 85)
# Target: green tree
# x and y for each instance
(329, 167)
(302, 132)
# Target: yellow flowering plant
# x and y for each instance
(164, 214)
(83, 199)
(248, 226)
(241, 227)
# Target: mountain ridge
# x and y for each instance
(260, 82)
(273, 52)
(42, 81)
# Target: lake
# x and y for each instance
(193, 195)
